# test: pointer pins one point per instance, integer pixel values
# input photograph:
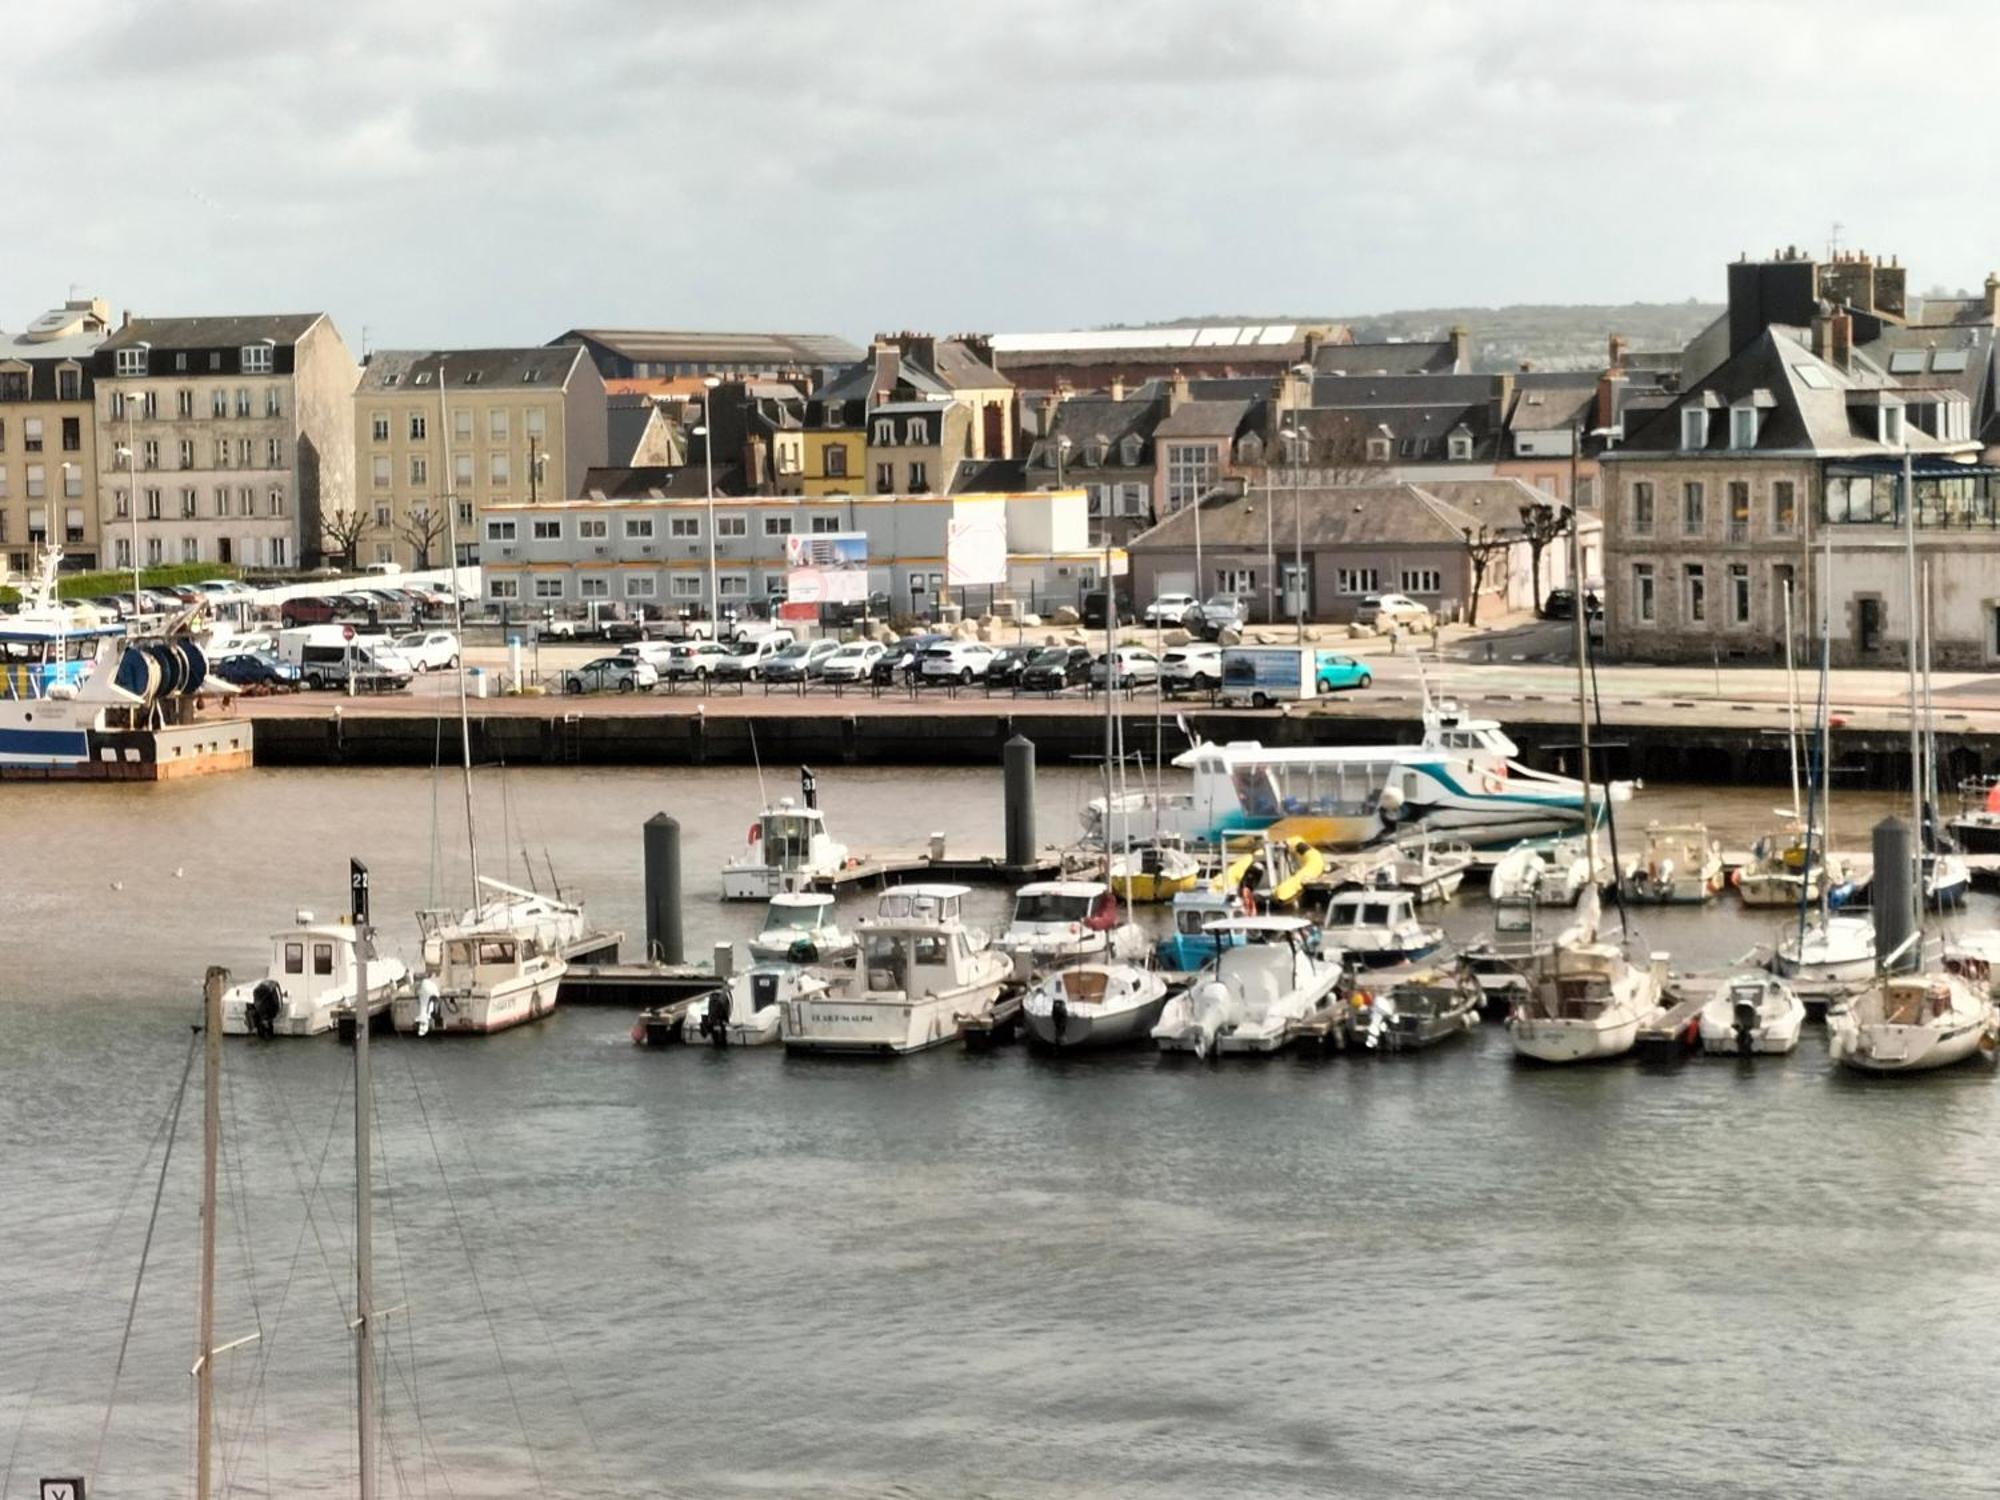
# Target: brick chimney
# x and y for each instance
(1177, 391)
(1617, 351)
(1839, 338)
(1610, 387)
(1461, 347)
(1993, 295)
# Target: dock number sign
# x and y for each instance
(357, 885)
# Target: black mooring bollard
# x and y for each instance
(663, 889)
(1018, 758)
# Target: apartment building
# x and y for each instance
(654, 552)
(223, 439)
(48, 436)
(484, 427)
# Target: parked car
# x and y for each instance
(655, 654)
(1008, 663)
(1333, 673)
(1128, 666)
(901, 659)
(1193, 668)
(747, 661)
(223, 588)
(853, 662)
(624, 673)
(1384, 612)
(1561, 605)
(250, 669)
(801, 661)
(692, 661)
(1054, 668)
(1220, 612)
(1172, 609)
(1094, 604)
(308, 609)
(429, 650)
(956, 661)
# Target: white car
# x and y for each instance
(1399, 610)
(428, 650)
(956, 661)
(624, 673)
(1172, 609)
(1135, 665)
(853, 662)
(1193, 668)
(693, 660)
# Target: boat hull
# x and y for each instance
(873, 1028)
(1888, 1048)
(1560, 1041)
(484, 1011)
(1096, 1028)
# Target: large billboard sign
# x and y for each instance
(976, 545)
(827, 567)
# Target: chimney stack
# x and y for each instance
(1461, 348)
(1840, 338)
(1177, 391)
(1610, 387)
(1118, 387)
(1617, 361)
(1993, 295)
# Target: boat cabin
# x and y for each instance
(1371, 911)
(922, 903)
(1259, 959)
(786, 833)
(1057, 903)
(478, 959)
(313, 959)
(914, 960)
(800, 912)
(1577, 985)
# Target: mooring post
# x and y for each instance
(1018, 759)
(663, 889)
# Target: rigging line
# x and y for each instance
(145, 1252)
(267, 1346)
(425, 1442)
(82, 1286)
(513, 1255)
(437, 833)
(472, 1271)
(414, 1380)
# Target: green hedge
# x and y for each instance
(119, 581)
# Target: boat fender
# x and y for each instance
(428, 1015)
(1736, 878)
(756, 833)
(266, 1000)
(1247, 899)
(639, 1033)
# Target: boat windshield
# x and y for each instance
(1366, 914)
(1191, 920)
(787, 839)
(925, 906)
(793, 918)
(1050, 906)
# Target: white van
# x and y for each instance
(324, 653)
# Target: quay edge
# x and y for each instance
(1714, 754)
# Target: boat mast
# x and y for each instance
(1792, 708)
(1930, 726)
(364, 1190)
(1582, 688)
(458, 628)
(1110, 692)
(211, 1145)
(1916, 745)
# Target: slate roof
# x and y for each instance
(1205, 419)
(627, 419)
(673, 346)
(1552, 407)
(400, 369)
(1328, 516)
(1427, 429)
(958, 367)
(1416, 358)
(688, 482)
(1497, 502)
(214, 333)
(989, 476)
(1088, 419)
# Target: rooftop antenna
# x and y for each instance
(1833, 240)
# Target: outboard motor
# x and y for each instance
(714, 1022)
(265, 1002)
(430, 1009)
(1747, 1020)
(1059, 1016)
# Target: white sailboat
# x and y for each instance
(1584, 998)
(1093, 1005)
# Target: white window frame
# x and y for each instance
(1354, 581)
(548, 528)
(1694, 428)
(685, 585)
(728, 526)
(1742, 427)
(641, 586)
(257, 359)
(778, 525)
(684, 528)
(549, 588)
(500, 530)
(503, 588)
(1645, 594)
(592, 528)
(131, 362)
(638, 528)
(1736, 580)
(593, 586)
(1422, 581)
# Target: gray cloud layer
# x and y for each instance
(499, 171)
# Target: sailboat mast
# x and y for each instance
(364, 1190)
(1110, 690)
(458, 628)
(211, 1146)
(1582, 687)
(1792, 706)
(1916, 740)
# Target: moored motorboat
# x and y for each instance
(1540, 872)
(1093, 1005)
(1403, 1010)
(919, 977)
(1677, 864)
(313, 978)
(1751, 1011)
(1068, 921)
(1192, 941)
(800, 927)
(788, 849)
(1378, 928)
(748, 1010)
(1430, 871)
(487, 975)
(1255, 996)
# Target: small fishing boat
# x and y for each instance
(1193, 940)
(749, 1010)
(1093, 1005)
(787, 849)
(1789, 868)
(1752, 1011)
(919, 978)
(1269, 872)
(1976, 829)
(1256, 995)
(1378, 928)
(1828, 948)
(1678, 865)
(1429, 871)
(1068, 921)
(1540, 873)
(1403, 1010)
(486, 976)
(800, 928)
(1907, 1023)
(1500, 970)
(1153, 874)
(311, 981)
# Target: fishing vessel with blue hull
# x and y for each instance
(81, 700)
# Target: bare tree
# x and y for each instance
(423, 530)
(343, 530)
(1481, 547)
(1342, 458)
(1542, 524)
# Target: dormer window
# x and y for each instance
(1892, 426)
(1378, 450)
(256, 359)
(834, 412)
(1743, 427)
(423, 377)
(1128, 451)
(1250, 449)
(1694, 428)
(913, 431)
(131, 361)
(885, 432)
(1094, 452)
(1461, 447)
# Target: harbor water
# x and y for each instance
(617, 1271)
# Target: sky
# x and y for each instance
(438, 174)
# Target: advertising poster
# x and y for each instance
(827, 567)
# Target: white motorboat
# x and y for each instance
(1255, 995)
(1540, 873)
(1378, 928)
(788, 849)
(1831, 948)
(1678, 864)
(1430, 870)
(1068, 921)
(1752, 1011)
(800, 927)
(749, 1010)
(311, 981)
(1153, 874)
(1402, 1010)
(1093, 1005)
(1907, 1023)
(1947, 877)
(919, 978)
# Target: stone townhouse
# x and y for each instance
(48, 436)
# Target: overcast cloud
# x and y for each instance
(500, 171)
